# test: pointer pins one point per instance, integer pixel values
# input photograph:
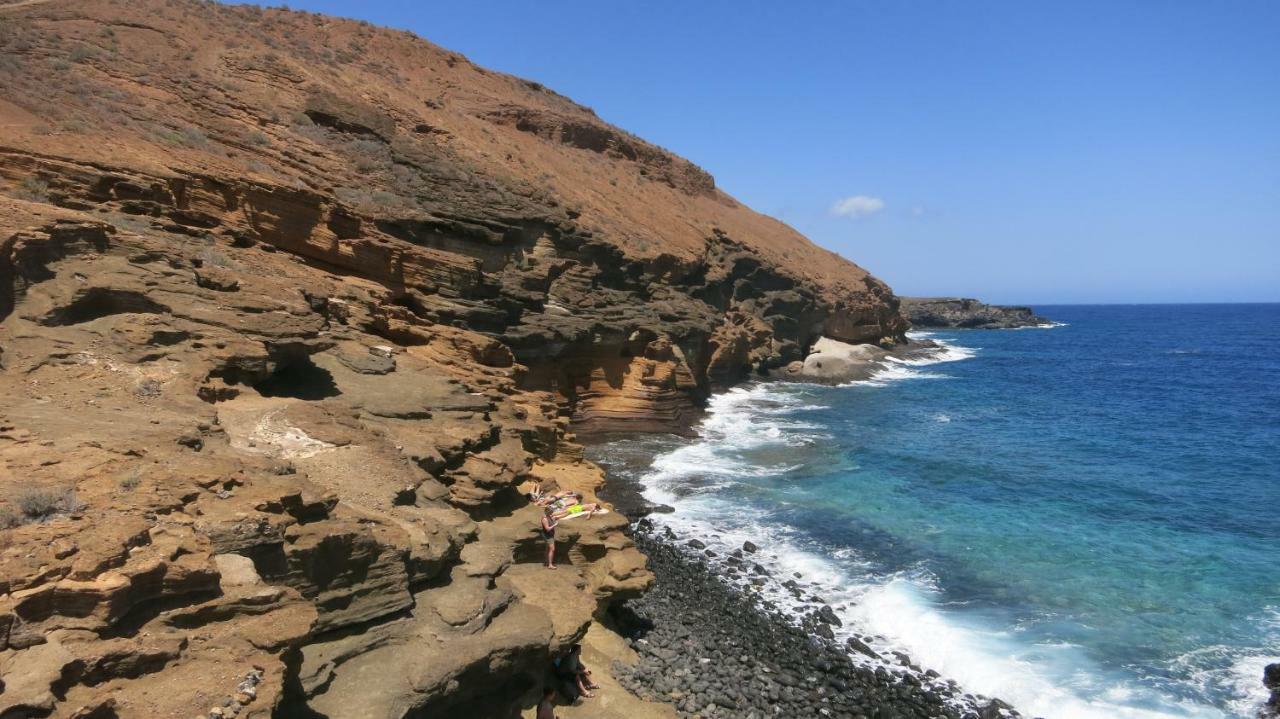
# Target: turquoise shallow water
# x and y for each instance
(1081, 520)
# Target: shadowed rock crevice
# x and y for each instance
(96, 302)
(299, 378)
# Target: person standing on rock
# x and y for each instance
(549, 524)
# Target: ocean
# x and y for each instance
(1082, 520)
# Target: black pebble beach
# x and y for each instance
(715, 650)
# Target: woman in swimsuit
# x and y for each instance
(549, 523)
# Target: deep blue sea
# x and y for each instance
(1082, 520)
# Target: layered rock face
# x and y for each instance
(291, 309)
(615, 270)
(940, 312)
(219, 469)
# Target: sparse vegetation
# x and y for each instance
(32, 189)
(369, 155)
(187, 137)
(212, 257)
(80, 53)
(359, 197)
(315, 133)
(130, 481)
(34, 505)
(148, 388)
(132, 223)
(385, 199)
(193, 137)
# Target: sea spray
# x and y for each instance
(1042, 511)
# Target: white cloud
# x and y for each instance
(857, 207)
(918, 211)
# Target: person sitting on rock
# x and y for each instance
(547, 707)
(538, 495)
(576, 678)
(549, 523)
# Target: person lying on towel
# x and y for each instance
(575, 509)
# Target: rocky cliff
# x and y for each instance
(291, 310)
(938, 312)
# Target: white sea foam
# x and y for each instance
(903, 612)
(944, 352)
(896, 369)
(741, 419)
(890, 373)
(1234, 671)
(1041, 326)
(1245, 682)
(1052, 680)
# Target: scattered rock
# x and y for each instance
(1271, 680)
(192, 441)
(714, 651)
(217, 279)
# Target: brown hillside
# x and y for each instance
(379, 122)
(292, 311)
(186, 87)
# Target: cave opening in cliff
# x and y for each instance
(299, 378)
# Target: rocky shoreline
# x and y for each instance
(713, 649)
(968, 313)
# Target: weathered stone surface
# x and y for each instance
(314, 507)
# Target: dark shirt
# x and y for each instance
(570, 666)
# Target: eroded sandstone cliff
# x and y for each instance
(290, 309)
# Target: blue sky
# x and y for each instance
(1016, 151)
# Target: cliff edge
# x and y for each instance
(292, 311)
